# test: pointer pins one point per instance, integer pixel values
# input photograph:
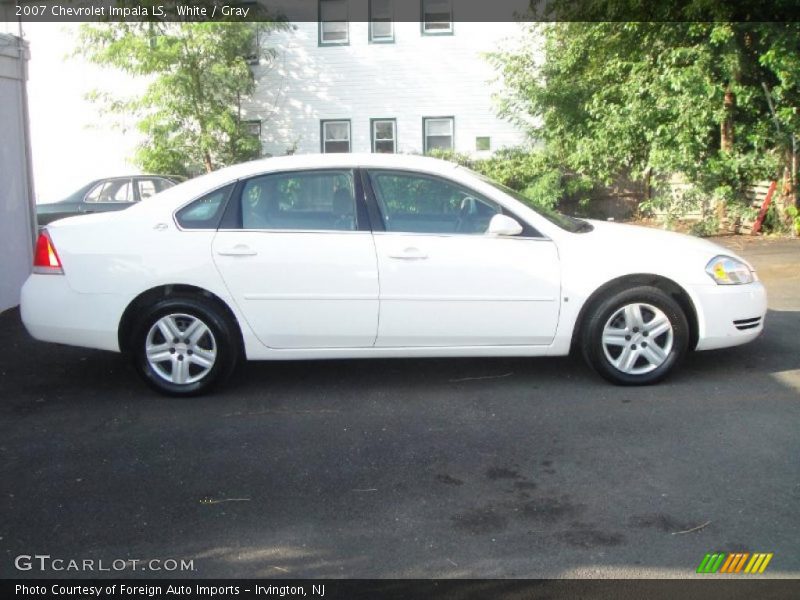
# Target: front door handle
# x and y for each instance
(410, 253)
(237, 250)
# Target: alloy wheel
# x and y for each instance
(637, 338)
(181, 348)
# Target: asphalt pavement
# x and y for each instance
(409, 468)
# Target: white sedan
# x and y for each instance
(358, 256)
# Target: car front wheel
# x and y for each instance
(635, 336)
(184, 346)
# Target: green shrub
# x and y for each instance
(794, 215)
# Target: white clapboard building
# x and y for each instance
(17, 223)
(381, 85)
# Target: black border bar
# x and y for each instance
(739, 588)
(404, 10)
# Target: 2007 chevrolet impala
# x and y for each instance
(345, 256)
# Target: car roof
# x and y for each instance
(348, 160)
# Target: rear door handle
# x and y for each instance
(410, 253)
(237, 250)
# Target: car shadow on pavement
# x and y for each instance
(32, 368)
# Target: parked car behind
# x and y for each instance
(102, 195)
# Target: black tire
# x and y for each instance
(599, 355)
(222, 339)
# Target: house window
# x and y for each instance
(384, 136)
(381, 27)
(254, 56)
(335, 136)
(333, 25)
(438, 133)
(483, 143)
(437, 17)
(253, 128)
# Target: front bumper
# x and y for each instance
(729, 315)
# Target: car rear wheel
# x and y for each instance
(184, 346)
(635, 336)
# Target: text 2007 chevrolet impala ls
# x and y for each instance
(357, 256)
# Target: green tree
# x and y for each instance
(638, 98)
(199, 74)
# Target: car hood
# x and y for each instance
(650, 241)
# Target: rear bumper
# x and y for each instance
(730, 315)
(52, 312)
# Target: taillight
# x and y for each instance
(45, 258)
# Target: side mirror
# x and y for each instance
(503, 225)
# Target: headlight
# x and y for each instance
(729, 271)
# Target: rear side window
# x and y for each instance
(305, 200)
(205, 212)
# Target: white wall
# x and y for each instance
(414, 77)
(16, 228)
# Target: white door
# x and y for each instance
(299, 269)
(444, 282)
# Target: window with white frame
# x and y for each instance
(384, 136)
(438, 133)
(333, 25)
(437, 16)
(253, 128)
(335, 136)
(381, 27)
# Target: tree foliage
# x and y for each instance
(198, 73)
(637, 98)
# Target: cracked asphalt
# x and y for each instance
(410, 468)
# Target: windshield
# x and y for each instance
(571, 224)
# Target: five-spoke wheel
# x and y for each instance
(635, 336)
(183, 345)
(181, 348)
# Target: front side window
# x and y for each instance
(414, 203)
(116, 190)
(205, 212)
(150, 187)
(384, 136)
(305, 201)
(333, 25)
(571, 224)
(437, 17)
(335, 136)
(438, 133)
(381, 27)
